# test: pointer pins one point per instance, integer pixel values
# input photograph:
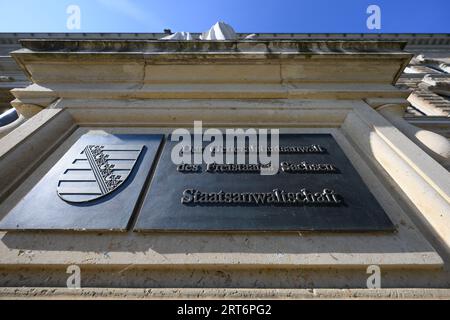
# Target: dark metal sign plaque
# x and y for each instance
(95, 186)
(316, 189)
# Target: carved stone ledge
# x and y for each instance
(437, 146)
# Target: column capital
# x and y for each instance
(391, 107)
(437, 146)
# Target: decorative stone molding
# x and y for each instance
(434, 63)
(220, 293)
(437, 146)
(416, 40)
(210, 69)
(439, 85)
(430, 103)
(427, 92)
(26, 110)
(444, 67)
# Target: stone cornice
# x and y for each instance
(205, 69)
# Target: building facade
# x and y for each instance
(378, 103)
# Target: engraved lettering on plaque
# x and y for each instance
(315, 189)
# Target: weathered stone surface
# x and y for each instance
(217, 293)
(410, 186)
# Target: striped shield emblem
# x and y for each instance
(97, 171)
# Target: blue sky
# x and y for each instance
(301, 16)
